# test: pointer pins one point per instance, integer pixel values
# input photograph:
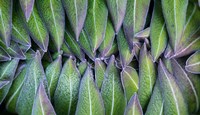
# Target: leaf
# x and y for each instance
(106, 45)
(19, 32)
(7, 72)
(84, 43)
(175, 17)
(190, 40)
(52, 73)
(76, 12)
(66, 94)
(42, 105)
(74, 46)
(135, 18)
(155, 106)
(53, 15)
(100, 68)
(147, 76)
(38, 30)
(193, 63)
(125, 54)
(13, 94)
(112, 50)
(89, 96)
(143, 34)
(3, 83)
(174, 101)
(168, 51)
(82, 67)
(4, 56)
(134, 107)
(27, 7)
(117, 9)
(95, 23)
(158, 32)
(34, 75)
(130, 81)
(112, 90)
(188, 90)
(6, 21)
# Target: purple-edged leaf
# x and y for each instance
(134, 107)
(188, 90)
(168, 51)
(4, 56)
(175, 17)
(155, 106)
(52, 73)
(6, 21)
(95, 23)
(111, 51)
(147, 76)
(143, 34)
(174, 102)
(66, 94)
(125, 54)
(190, 39)
(3, 83)
(82, 66)
(27, 7)
(136, 49)
(193, 63)
(135, 18)
(38, 30)
(13, 94)
(53, 15)
(66, 50)
(158, 32)
(76, 12)
(106, 45)
(117, 9)
(130, 81)
(100, 68)
(42, 104)
(112, 90)
(90, 101)
(34, 75)
(7, 72)
(74, 46)
(84, 42)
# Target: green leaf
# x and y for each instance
(168, 51)
(112, 90)
(95, 23)
(155, 106)
(7, 72)
(134, 107)
(106, 45)
(76, 12)
(143, 34)
(6, 21)
(74, 46)
(100, 68)
(130, 81)
(82, 67)
(84, 42)
(34, 75)
(4, 56)
(117, 9)
(188, 90)
(42, 105)
(90, 101)
(147, 76)
(37, 30)
(174, 101)
(190, 39)
(19, 32)
(66, 94)
(135, 18)
(125, 54)
(175, 17)
(158, 32)
(112, 50)
(52, 73)
(11, 98)
(27, 7)
(53, 15)
(193, 63)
